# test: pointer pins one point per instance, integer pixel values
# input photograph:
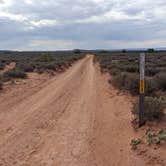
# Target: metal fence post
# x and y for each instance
(142, 89)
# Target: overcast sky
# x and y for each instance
(85, 24)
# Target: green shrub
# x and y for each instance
(162, 135)
(132, 83)
(104, 51)
(2, 66)
(127, 81)
(124, 51)
(134, 143)
(161, 80)
(132, 68)
(77, 51)
(119, 80)
(114, 71)
(26, 67)
(150, 86)
(46, 57)
(154, 108)
(151, 50)
(14, 73)
(1, 84)
(152, 138)
(152, 71)
(50, 66)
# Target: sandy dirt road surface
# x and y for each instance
(73, 119)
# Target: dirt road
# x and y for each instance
(75, 119)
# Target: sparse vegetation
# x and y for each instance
(14, 73)
(36, 62)
(134, 143)
(1, 84)
(124, 50)
(151, 50)
(126, 81)
(161, 80)
(77, 51)
(150, 138)
(162, 135)
(124, 71)
(154, 108)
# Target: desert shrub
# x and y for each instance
(156, 138)
(119, 80)
(26, 67)
(127, 81)
(154, 108)
(151, 50)
(134, 143)
(132, 68)
(161, 80)
(132, 83)
(162, 135)
(14, 73)
(1, 84)
(50, 66)
(104, 51)
(77, 51)
(114, 71)
(127, 67)
(2, 66)
(124, 51)
(40, 70)
(150, 86)
(152, 138)
(151, 71)
(46, 57)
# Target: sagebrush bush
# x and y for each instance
(132, 83)
(124, 51)
(1, 84)
(77, 51)
(132, 68)
(2, 66)
(114, 71)
(50, 66)
(127, 81)
(46, 57)
(161, 80)
(151, 71)
(151, 50)
(119, 80)
(26, 67)
(14, 73)
(150, 86)
(154, 108)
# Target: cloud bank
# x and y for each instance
(88, 24)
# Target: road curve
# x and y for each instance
(76, 119)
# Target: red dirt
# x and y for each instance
(73, 119)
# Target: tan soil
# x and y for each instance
(73, 119)
(8, 67)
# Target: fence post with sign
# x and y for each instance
(142, 89)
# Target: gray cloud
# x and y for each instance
(60, 24)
